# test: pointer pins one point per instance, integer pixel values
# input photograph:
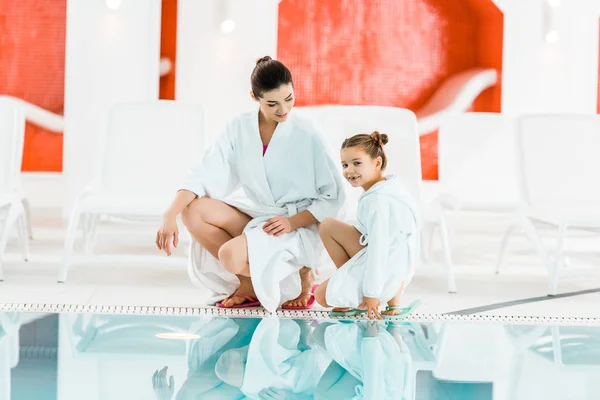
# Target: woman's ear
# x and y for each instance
(253, 96)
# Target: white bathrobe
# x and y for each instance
(380, 366)
(297, 173)
(390, 227)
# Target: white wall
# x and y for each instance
(111, 56)
(539, 77)
(213, 68)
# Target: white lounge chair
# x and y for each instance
(13, 213)
(558, 164)
(455, 95)
(147, 146)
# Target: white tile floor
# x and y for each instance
(165, 283)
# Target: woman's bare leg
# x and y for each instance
(213, 223)
(342, 242)
(306, 280)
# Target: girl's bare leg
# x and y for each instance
(395, 301)
(342, 242)
(213, 223)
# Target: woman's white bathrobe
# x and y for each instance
(297, 173)
(390, 227)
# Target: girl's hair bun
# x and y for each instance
(380, 139)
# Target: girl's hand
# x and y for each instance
(372, 306)
(278, 226)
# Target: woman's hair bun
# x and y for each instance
(263, 59)
(380, 139)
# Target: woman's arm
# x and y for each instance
(182, 199)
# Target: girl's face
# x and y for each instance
(359, 168)
(275, 105)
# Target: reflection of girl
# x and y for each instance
(369, 362)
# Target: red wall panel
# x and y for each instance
(32, 44)
(168, 46)
(388, 52)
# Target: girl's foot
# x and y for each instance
(336, 310)
(307, 280)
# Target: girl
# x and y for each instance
(252, 253)
(375, 259)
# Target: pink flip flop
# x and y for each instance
(250, 303)
(310, 303)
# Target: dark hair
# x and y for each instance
(371, 144)
(269, 74)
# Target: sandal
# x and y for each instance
(249, 303)
(308, 305)
(404, 311)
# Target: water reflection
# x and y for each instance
(143, 357)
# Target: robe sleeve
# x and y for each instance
(216, 174)
(378, 250)
(328, 182)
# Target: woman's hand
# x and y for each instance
(372, 306)
(167, 233)
(278, 226)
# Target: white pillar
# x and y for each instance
(213, 67)
(112, 55)
(542, 77)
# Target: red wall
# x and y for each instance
(168, 46)
(32, 67)
(387, 52)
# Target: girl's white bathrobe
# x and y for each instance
(372, 364)
(296, 173)
(390, 226)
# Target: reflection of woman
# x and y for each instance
(285, 170)
(368, 362)
(281, 361)
(216, 337)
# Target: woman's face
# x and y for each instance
(276, 104)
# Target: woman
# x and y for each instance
(250, 253)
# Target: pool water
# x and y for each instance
(105, 356)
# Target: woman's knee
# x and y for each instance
(231, 257)
(192, 217)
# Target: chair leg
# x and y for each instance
(92, 233)
(27, 208)
(24, 237)
(534, 237)
(11, 217)
(556, 266)
(69, 243)
(443, 229)
(504, 245)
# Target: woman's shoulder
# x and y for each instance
(306, 125)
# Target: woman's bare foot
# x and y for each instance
(307, 280)
(245, 289)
